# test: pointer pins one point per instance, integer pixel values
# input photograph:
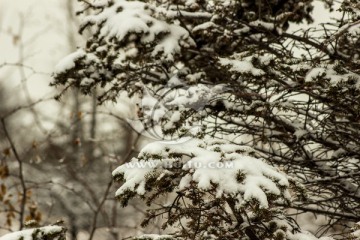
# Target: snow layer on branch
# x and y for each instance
(241, 66)
(266, 25)
(207, 163)
(204, 26)
(334, 76)
(131, 20)
(68, 62)
(305, 236)
(29, 233)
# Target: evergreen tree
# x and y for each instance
(233, 70)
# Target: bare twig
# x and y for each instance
(93, 226)
(21, 175)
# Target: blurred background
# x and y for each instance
(66, 149)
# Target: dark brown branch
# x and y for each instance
(21, 175)
(93, 226)
(324, 212)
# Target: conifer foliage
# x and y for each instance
(236, 71)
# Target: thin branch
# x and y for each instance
(93, 226)
(340, 32)
(21, 175)
(324, 212)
